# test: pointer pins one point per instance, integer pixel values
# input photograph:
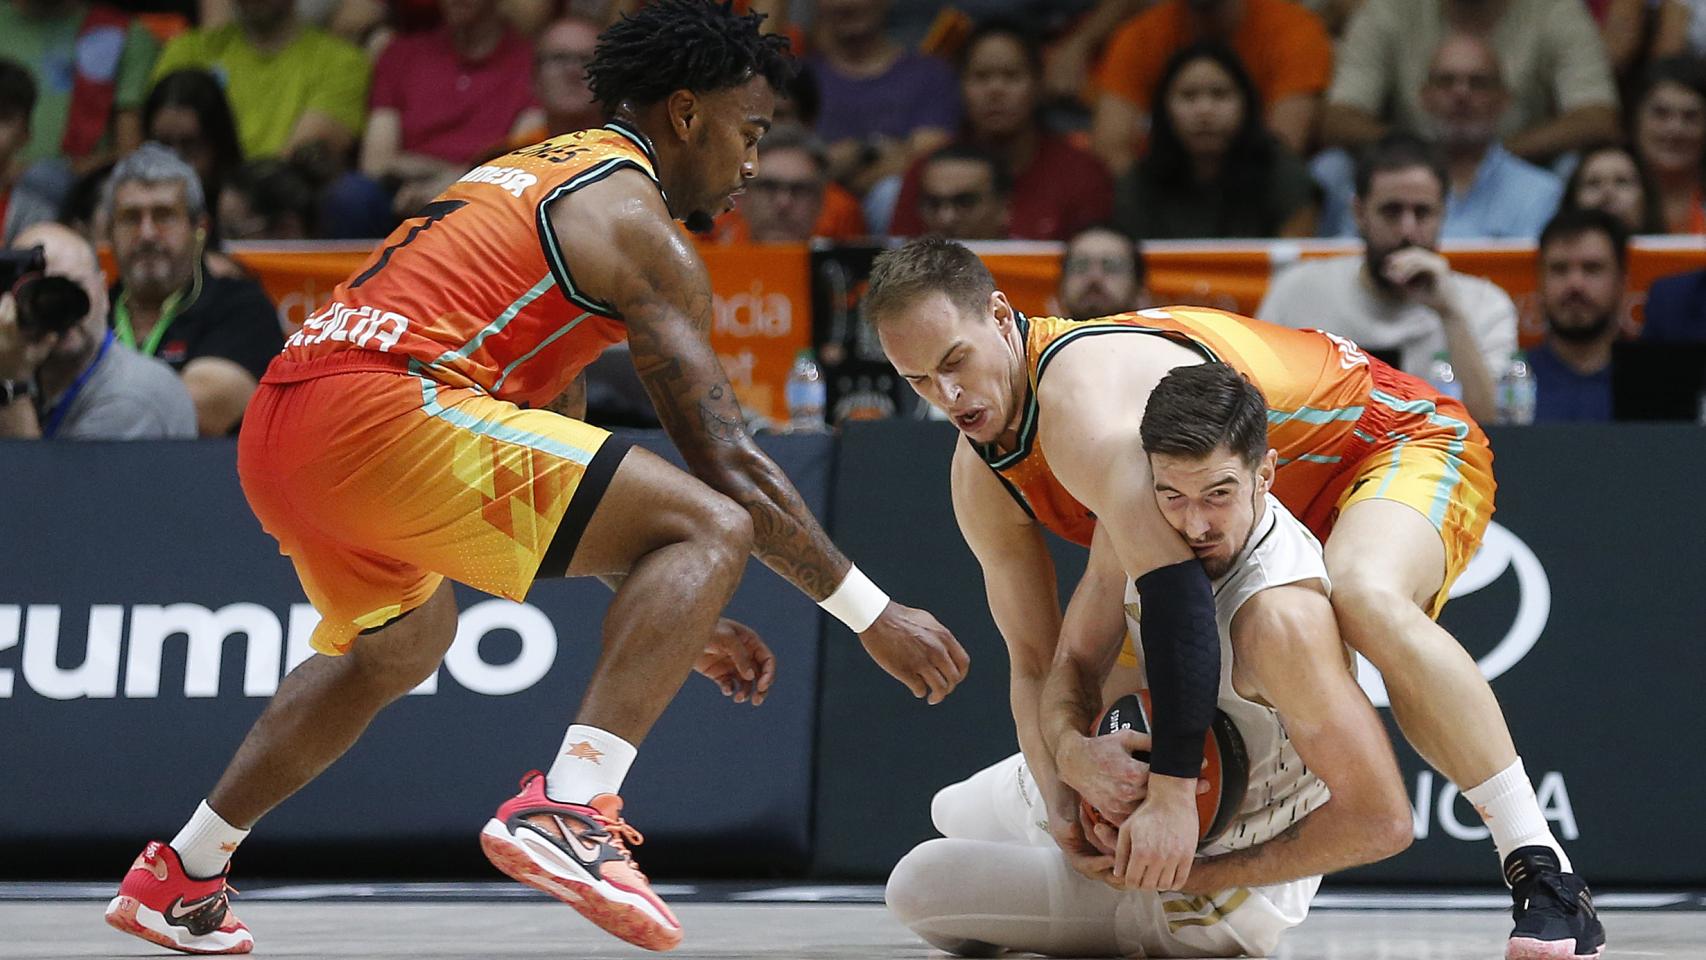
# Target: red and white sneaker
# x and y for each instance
(578, 853)
(160, 903)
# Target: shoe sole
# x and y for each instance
(1524, 948)
(124, 915)
(614, 917)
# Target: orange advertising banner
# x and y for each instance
(761, 303)
(1234, 276)
(762, 300)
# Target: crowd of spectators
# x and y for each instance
(166, 130)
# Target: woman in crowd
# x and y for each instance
(187, 111)
(1612, 178)
(1058, 187)
(1212, 169)
(1669, 134)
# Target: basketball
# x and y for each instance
(1226, 765)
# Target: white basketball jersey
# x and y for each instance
(1282, 790)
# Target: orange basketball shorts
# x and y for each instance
(1411, 445)
(378, 483)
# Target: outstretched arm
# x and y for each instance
(628, 252)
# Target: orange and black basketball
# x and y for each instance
(1226, 764)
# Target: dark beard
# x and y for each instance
(1377, 270)
(699, 222)
(1587, 334)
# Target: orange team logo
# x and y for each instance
(585, 751)
(228, 848)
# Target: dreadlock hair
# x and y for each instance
(670, 45)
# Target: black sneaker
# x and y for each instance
(1553, 910)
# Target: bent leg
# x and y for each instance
(680, 548)
(973, 897)
(323, 706)
(1387, 563)
(998, 803)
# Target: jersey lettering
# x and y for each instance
(509, 178)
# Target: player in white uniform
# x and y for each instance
(1324, 790)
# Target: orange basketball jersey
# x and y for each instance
(1317, 388)
(474, 290)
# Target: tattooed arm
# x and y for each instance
(648, 270)
(628, 252)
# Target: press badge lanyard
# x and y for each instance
(57, 414)
(168, 313)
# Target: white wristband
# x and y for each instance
(857, 602)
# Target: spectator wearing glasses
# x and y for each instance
(1058, 187)
(1562, 97)
(1493, 192)
(791, 199)
(1101, 273)
(218, 333)
(963, 194)
(565, 101)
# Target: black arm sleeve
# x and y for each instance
(1181, 653)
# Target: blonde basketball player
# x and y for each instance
(1324, 791)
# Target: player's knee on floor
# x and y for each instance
(915, 895)
(918, 883)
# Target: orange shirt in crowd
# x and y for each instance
(1283, 46)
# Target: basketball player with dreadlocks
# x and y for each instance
(402, 440)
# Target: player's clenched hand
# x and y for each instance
(916, 650)
(1104, 772)
(737, 660)
(1159, 840)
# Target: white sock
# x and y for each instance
(206, 843)
(591, 762)
(1508, 806)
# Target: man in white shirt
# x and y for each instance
(1401, 294)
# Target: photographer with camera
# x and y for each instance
(63, 375)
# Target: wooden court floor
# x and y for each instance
(339, 927)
